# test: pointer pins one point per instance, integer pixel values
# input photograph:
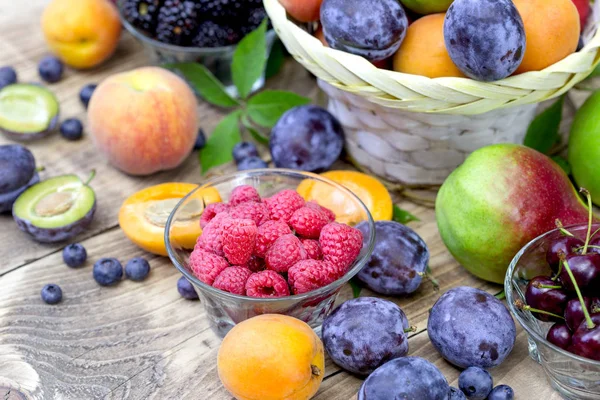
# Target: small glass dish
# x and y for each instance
(225, 309)
(574, 377)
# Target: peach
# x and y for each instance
(82, 33)
(303, 10)
(271, 357)
(144, 121)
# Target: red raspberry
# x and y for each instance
(313, 249)
(308, 275)
(285, 252)
(211, 211)
(267, 284)
(206, 266)
(341, 244)
(316, 206)
(257, 212)
(233, 280)
(211, 238)
(243, 194)
(239, 236)
(283, 204)
(308, 222)
(255, 264)
(267, 234)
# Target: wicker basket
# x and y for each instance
(415, 130)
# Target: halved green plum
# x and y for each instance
(56, 209)
(17, 173)
(27, 112)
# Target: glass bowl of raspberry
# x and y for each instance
(266, 250)
(205, 32)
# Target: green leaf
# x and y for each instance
(276, 59)
(266, 107)
(563, 163)
(259, 137)
(249, 60)
(205, 83)
(403, 216)
(542, 133)
(356, 287)
(221, 142)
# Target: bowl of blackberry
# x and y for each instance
(202, 31)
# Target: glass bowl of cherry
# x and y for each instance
(546, 284)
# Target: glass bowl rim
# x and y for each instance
(508, 287)
(360, 263)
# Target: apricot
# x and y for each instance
(271, 357)
(423, 51)
(303, 10)
(143, 215)
(82, 33)
(552, 30)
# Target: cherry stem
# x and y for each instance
(589, 247)
(590, 216)
(541, 286)
(557, 272)
(410, 329)
(595, 233)
(90, 177)
(595, 309)
(588, 319)
(522, 306)
(562, 229)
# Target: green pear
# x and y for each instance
(499, 199)
(427, 6)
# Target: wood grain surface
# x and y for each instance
(142, 340)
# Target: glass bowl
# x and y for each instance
(216, 59)
(572, 376)
(225, 309)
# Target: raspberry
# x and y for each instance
(283, 204)
(212, 239)
(257, 212)
(243, 194)
(285, 252)
(255, 264)
(308, 222)
(233, 280)
(211, 211)
(316, 206)
(207, 266)
(313, 249)
(340, 244)
(239, 236)
(308, 275)
(267, 234)
(267, 284)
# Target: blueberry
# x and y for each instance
(108, 271)
(137, 269)
(50, 69)
(476, 383)
(71, 129)
(251, 163)
(485, 38)
(398, 260)
(362, 334)
(405, 378)
(8, 76)
(200, 140)
(456, 394)
(74, 255)
(186, 289)
(307, 138)
(501, 392)
(85, 94)
(244, 150)
(51, 293)
(373, 29)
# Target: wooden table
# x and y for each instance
(142, 340)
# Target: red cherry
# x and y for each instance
(545, 299)
(574, 313)
(586, 341)
(564, 244)
(560, 335)
(586, 270)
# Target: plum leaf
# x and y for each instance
(268, 106)
(276, 59)
(403, 216)
(219, 146)
(356, 287)
(249, 60)
(542, 133)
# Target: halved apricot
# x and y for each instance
(143, 215)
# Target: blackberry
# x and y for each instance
(210, 34)
(253, 20)
(142, 14)
(221, 10)
(177, 22)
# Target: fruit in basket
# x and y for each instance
(405, 378)
(178, 20)
(364, 333)
(544, 294)
(586, 270)
(476, 383)
(303, 10)
(399, 259)
(349, 25)
(584, 8)
(142, 14)
(470, 327)
(144, 214)
(8, 76)
(485, 38)
(211, 34)
(56, 209)
(27, 112)
(560, 335)
(564, 245)
(50, 69)
(17, 173)
(136, 139)
(427, 6)
(586, 339)
(423, 51)
(306, 138)
(289, 353)
(502, 197)
(552, 29)
(82, 33)
(574, 312)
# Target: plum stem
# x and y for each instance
(590, 216)
(429, 275)
(562, 229)
(40, 168)
(539, 285)
(586, 313)
(522, 306)
(410, 329)
(90, 177)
